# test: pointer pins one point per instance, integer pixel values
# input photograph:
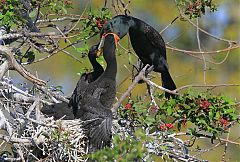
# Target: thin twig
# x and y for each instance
(200, 50)
(204, 86)
(205, 52)
(226, 145)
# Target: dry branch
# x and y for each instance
(27, 35)
(202, 86)
(5, 51)
(205, 52)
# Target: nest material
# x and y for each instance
(34, 136)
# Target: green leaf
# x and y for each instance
(149, 120)
(211, 113)
(33, 13)
(169, 110)
(217, 116)
(64, 10)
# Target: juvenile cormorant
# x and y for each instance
(146, 42)
(58, 110)
(85, 79)
(97, 101)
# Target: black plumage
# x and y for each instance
(146, 42)
(85, 79)
(58, 111)
(97, 101)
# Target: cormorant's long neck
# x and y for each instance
(97, 68)
(110, 58)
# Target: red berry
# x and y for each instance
(197, 3)
(204, 104)
(98, 24)
(128, 106)
(223, 122)
(190, 8)
(67, 2)
(162, 127)
(169, 125)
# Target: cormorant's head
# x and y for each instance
(119, 25)
(93, 51)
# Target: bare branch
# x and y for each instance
(31, 34)
(8, 54)
(206, 52)
(211, 86)
(4, 68)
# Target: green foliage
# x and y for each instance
(125, 149)
(13, 12)
(59, 6)
(195, 8)
(8, 16)
(93, 23)
(211, 114)
(83, 49)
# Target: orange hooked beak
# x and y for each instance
(100, 47)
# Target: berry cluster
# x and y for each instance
(166, 126)
(100, 23)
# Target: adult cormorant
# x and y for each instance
(146, 42)
(85, 79)
(97, 101)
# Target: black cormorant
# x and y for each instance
(97, 100)
(58, 111)
(85, 79)
(146, 42)
(69, 111)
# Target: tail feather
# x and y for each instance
(167, 82)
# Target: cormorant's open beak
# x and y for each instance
(100, 46)
(99, 52)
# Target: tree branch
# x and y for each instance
(8, 54)
(199, 86)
